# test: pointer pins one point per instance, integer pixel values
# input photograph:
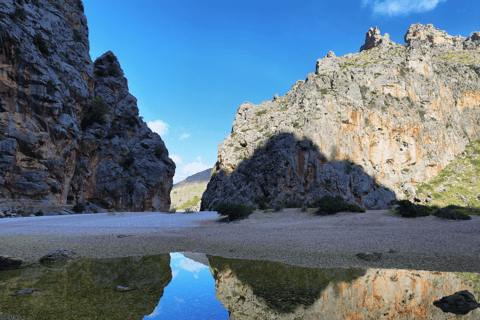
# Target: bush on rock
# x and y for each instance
(234, 211)
(409, 210)
(330, 205)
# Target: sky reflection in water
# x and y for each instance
(190, 294)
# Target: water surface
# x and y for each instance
(198, 286)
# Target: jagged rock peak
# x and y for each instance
(431, 34)
(374, 39)
(107, 65)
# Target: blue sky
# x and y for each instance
(191, 64)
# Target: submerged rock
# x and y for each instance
(461, 302)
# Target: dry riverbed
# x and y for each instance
(289, 236)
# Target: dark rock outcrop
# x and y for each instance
(8, 263)
(368, 126)
(461, 302)
(69, 128)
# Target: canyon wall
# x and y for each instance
(69, 128)
(367, 126)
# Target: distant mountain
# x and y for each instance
(187, 193)
(197, 177)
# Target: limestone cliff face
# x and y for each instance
(367, 126)
(271, 290)
(69, 128)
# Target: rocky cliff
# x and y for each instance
(368, 126)
(69, 128)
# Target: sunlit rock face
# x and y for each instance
(68, 127)
(397, 113)
(270, 290)
(123, 288)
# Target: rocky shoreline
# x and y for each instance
(291, 237)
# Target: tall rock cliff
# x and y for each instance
(69, 128)
(367, 126)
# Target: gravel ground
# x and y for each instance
(289, 236)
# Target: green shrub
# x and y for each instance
(80, 5)
(130, 203)
(19, 13)
(144, 145)
(159, 151)
(234, 211)
(172, 210)
(451, 214)
(51, 88)
(330, 205)
(41, 44)
(98, 135)
(279, 205)
(39, 214)
(409, 210)
(1, 154)
(188, 210)
(29, 179)
(127, 162)
(262, 202)
(79, 207)
(76, 36)
(98, 109)
(293, 205)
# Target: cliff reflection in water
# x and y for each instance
(272, 290)
(122, 288)
(197, 286)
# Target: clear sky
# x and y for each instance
(191, 64)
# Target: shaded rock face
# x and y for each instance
(69, 129)
(398, 113)
(271, 290)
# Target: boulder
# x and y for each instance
(8, 263)
(461, 302)
(58, 256)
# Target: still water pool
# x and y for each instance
(198, 286)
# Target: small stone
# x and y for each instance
(392, 251)
(57, 256)
(464, 199)
(369, 256)
(123, 289)
(275, 97)
(23, 292)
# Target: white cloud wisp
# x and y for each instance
(158, 126)
(401, 7)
